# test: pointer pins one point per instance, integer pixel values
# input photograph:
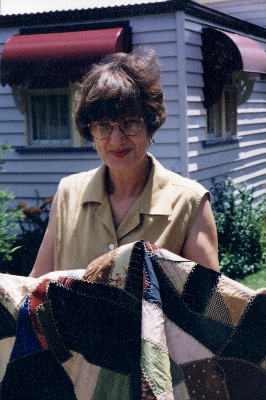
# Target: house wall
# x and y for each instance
(244, 161)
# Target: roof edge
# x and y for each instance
(188, 6)
(91, 14)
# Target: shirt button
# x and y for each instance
(111, 246)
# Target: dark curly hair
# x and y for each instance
(121, 85)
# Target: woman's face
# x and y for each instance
(123, 153)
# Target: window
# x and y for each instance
(222, 115)
(49, 119)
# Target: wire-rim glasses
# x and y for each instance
(130, 126)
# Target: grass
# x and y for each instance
(256, 280)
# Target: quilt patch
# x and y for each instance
(138, 323)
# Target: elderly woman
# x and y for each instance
(119, 106)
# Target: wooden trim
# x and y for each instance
(182, 92)
(38, 150)
(220, 142)
(33, 30)
(76, 139)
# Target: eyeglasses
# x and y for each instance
(131, 126)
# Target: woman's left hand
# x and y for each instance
(261, 290)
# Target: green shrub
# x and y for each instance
(4, 148)
(33, 221)
(21, 229)
(7, 220)
(7, 227)
(240, 227)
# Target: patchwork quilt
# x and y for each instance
(138, 323)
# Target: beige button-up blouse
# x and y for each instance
(163, 214)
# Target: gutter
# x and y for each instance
(171, 6)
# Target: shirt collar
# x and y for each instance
(155, 198)
(95, 191)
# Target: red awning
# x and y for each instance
(67, 54)
(253, 56)
(225, 52)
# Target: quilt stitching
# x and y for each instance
(101, 320)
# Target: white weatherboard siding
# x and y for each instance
(244, 161)
(182, 86)
(24, 173)
(195, 97)
(159, 33)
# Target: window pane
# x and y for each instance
(49, 119)
(38, 118)
(33, 118)
(230, 112)
(215, 120)
(53, 117)
(64, 117)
